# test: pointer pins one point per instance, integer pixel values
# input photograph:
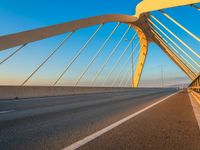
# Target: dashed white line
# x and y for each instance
(6, 111)
(110, 127)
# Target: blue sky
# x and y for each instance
(21, 15)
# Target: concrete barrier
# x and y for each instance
(15, 92)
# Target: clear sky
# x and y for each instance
(21, 15)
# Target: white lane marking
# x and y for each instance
(196, 109)
(110, 127)
(6, 111)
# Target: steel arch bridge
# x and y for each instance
(142, 22)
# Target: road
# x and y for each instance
(56, 122)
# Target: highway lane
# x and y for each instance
(55, 122)
(169, 125)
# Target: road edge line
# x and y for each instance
(93, 136)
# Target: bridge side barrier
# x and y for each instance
(195, 85)
(18, 92)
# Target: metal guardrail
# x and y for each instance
(195, 85)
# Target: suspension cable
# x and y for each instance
(98, 52)
(52, 53)
(195, 6)
(184, 68)
(159, 39)
(78, 54)
(127, 81)
(176, 36)
(121, 69)
(112, 52)
(174, 43)
(18, 49)
(178, 24)
(119, 59)
(187, 62)
(122, 79)
(120, 84)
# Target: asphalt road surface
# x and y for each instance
(55, 122)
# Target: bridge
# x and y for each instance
(83, 103)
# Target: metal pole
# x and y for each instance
(162, 76)
(121, 69)
(119, 59)
(112, 52)
(98, 52)
(132, 66)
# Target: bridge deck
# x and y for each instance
(169, 125)
(56, 122)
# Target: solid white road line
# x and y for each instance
(6, 111)
(196, 109)
(110, 127)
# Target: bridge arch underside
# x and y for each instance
(21, 38)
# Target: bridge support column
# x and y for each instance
(142, 56)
